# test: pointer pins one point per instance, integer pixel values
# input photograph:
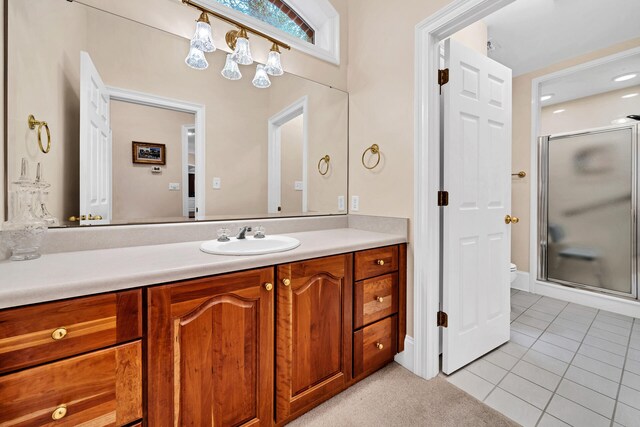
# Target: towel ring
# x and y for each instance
(326, 159)
(375, 149)
(32, 125)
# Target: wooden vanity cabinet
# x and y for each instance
(210, 351)
(72, 362)
(313, 333)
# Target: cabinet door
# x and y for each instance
(313, 333)
(210, 351)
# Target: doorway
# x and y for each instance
(288, 148)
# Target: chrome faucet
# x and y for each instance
(243, 232)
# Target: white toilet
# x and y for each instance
(514, 272)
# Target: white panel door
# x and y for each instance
(95, 145)
(477, 175)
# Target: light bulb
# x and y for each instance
(231, 70)
(203, 39)
(195, 59)
(261, 80)
(242, 52)
(274, 66)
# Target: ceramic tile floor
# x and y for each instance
(565, 365)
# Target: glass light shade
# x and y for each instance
(242, 52)
(231, 70)
(203, 39)
(261, 80)
(274, 66)
(196, 59)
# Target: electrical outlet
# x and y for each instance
(217, 183)
(340, 203)
(298, 185)
(355, 203)
(174, 186)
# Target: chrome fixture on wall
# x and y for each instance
(238, 41)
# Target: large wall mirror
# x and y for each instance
(137, 136)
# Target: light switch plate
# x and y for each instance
(174, 186)
(355, 203)
(217, 183)
(156, 169)
(340, 203)
(298, 185)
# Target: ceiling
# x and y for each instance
(533, 34)
(592, 81)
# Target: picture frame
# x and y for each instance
(149, 153)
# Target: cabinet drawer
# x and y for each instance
(375, 299)
(375, 262)
(103, 388)
(45, 332)
(374, 346)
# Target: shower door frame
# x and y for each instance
(543, 209)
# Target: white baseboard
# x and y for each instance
(406, 358)
(522, 282)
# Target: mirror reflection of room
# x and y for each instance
(149, 95)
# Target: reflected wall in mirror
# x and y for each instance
(102, 82)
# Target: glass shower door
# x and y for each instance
(590, 210)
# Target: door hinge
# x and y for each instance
(443, 198)
(443, 78)
(443, 319)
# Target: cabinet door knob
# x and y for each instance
(59, 333)
(59, 413)
(286, 282)
(511, 219)
(379, 299)
(380, 262)
(268, 286)
(379, 345)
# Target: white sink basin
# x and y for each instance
(250, 246)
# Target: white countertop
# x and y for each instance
(72, 274)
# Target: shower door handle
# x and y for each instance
(511, 219)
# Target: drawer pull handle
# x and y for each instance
(380, 262)
(59, 333)
(59, 413)
(268, 286)
(379, 299)
(379, 345)
(286, 282)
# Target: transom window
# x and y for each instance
(276, 13)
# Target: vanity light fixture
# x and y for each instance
(274, 65)
(238, 42)
(195, 59)
(562, 110)
(203, 38)
(231, 70)
(625, 77)
(546, 97)
(242, 50)
(261, 80)
(629, 95)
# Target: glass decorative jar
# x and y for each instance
(41, 209)
(23, 233)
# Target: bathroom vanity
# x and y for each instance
(260, 346)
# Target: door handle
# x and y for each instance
(511, 219)
(85, 217)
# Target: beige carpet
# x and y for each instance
(394, 396)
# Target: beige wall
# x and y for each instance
(134, 182)
(589, 112)
(521, 154)
(291, 154)
(474, 36)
